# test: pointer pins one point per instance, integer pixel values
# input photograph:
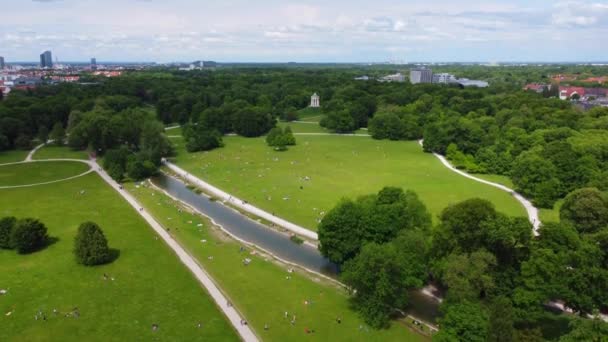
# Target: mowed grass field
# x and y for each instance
(264, 290)
(59, 152)
(309, 179)
(39, 172)
(146, 285)
(12, 156)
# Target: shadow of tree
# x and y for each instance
(113, 255)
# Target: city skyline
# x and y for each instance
(305, 31)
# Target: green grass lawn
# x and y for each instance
(53, 152)
(302, 127)
(150, 285)
(500, 179)
(551, 215)
(12, 156)
(338, 166)
(261, 290)
(310, 114)
(40, 172)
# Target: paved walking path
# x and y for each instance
(197, 270)
(233, 316)
(239, 203)
(34, 150)
(530, 208)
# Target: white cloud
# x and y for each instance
(315, 29)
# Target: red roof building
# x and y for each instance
(567, 92)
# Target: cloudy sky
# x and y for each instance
(305, 31)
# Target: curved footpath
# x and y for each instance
(245, 332)
(530, 208)
(34, 150)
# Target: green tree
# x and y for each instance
(7, 224)
(340, 232)
(586, 209)
(43, 134)
(500, 324)
(57, 134)
(378, 282)
(4, 143)
(592, 330)
(290, 139)
(91, 245)
(28, 235)
(469, 277)
(273, 135)
(23, 142)
(465, 321)
(462, 227)
(536, 177)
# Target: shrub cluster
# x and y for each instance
(280, 139)
(24, 235)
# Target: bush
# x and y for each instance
(28, 235)
(280, 139)
(7, 224)
(90, 245)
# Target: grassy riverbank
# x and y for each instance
(264, 290)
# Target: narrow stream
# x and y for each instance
(275, 242)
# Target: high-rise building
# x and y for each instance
(46, 60)
(421, 76)
(1, 62)
(93, 63)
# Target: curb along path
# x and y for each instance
(530, 208)
(224, 196)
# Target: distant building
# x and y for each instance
(536, 87)
(421, 76)
(465, 82)
(1, 62)
(398, 77)
(362, 78)
(93, 63)
(314, 101)
(444, 78)
(46, 60)
(26, 82)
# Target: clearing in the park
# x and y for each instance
(306, 181)
(145, 285)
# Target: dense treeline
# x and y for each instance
(496, 278)
(545, 145)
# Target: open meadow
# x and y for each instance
(119, 301)
(39, 172)
(59, 152)
(264, 290)
(12, 156)
(303, 183)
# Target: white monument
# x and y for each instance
(314, 101)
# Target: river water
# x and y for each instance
(279, 244)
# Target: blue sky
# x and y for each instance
(305, 31)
